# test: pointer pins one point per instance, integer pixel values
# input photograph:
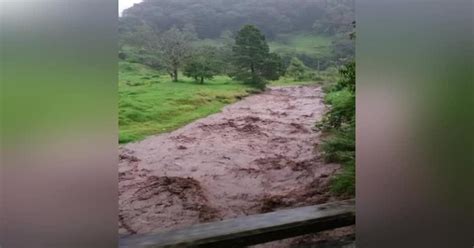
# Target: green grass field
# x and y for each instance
(149, 103)
(315, 45)
(209, 42)
(302, 43)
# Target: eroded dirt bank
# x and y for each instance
(255, 156)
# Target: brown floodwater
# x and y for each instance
(257, 155)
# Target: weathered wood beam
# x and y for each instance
(253, 229)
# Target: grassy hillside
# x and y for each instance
(301, 43)
(309, 44)
(149, 103)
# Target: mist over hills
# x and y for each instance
(210, 18)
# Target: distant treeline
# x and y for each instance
(211, 18)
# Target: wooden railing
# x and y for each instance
(253, 229)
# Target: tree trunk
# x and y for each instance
(175, 75)
(202, 80)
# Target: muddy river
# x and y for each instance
(257, 155)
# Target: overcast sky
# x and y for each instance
(125, 4)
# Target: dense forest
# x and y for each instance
(211, 18)
(314, 31)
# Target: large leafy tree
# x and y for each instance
(203, 64)
(175, 48)
(172, 48)
(253, 62)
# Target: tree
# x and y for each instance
(175, 46)
(253, 62)
(273, 67)
(224, 52)
(202, 65)
(296, 69)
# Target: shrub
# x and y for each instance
(347, 80)
(344, 183)
(341, 110)
(297, 70)
(340, 121)
(340, 147)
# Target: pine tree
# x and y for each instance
(253, 62)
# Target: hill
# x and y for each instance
(315, 31)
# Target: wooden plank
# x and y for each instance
(249, 230)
